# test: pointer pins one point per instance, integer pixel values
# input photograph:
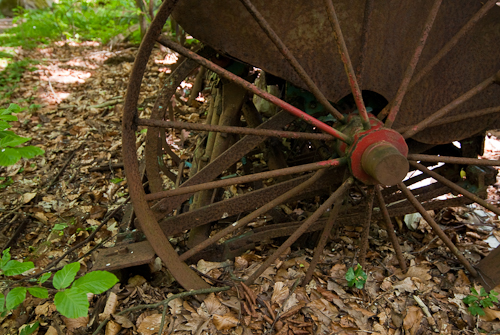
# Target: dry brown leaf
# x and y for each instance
(406, 285)
(27, 197)
(204, 266)
(124, 321)
(112, 328)
(51, 331)
(73, 324)
(420, 272)
(280, 292)
(338, 271)
(323, 310)
(150, 325)
(136, 281)
(225, 322)
(46, 309)
(214, 306)
(292, 301)
(413, 319)
(110, 307)
(490, 314)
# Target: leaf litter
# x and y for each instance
(65, 195)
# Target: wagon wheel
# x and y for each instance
(373, 154)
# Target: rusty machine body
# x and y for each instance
(435, 63)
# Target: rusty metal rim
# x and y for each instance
(184, 275)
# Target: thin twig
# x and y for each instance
(70, 158)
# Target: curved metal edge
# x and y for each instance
(181, 272)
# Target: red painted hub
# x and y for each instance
(377, 155)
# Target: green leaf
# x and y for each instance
(39, 292)
(9, 156)
(475, 310)
(116, 180)
(14, 108)
(96, 282)
(483, 293)
(59, 226)
(4, 125)
(2, 303)
(29, 329)
(15, 297)
(13, 268)
(5, 258)
(13, 141)
(44, 277)
(72, 303)
(350, 276)
(470, 299)
(8, 117)
(473, 290)
(64, 277)
(30, 151)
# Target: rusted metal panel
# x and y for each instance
(394, 30)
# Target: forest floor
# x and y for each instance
(52, 203)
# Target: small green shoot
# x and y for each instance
(356, 277)
(477, 301)
(116, 180)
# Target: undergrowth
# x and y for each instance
(86, 20)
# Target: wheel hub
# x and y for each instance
(377, 155)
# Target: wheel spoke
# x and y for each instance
(254, 89)
(452, 105)
(436, 228)
(457, 118)
(403, 88)
(453, 160)
(455, 187)
(344, 55)
(390, 229)
(365, 31)
(318, 251)
(247, 179)
(291, 59)
(451, 43)
(233, 130)
(303, 228)
(366, 227)
(250, 217)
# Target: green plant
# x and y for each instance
(10, 152)
(71, 302)
(11, 76)
(356, 276)
(477, 301)
(73, 20)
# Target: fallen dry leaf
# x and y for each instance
(280, 292)
(413, 319)
(490, 314)
(225, 322)
(150, 325)
(112, 328)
